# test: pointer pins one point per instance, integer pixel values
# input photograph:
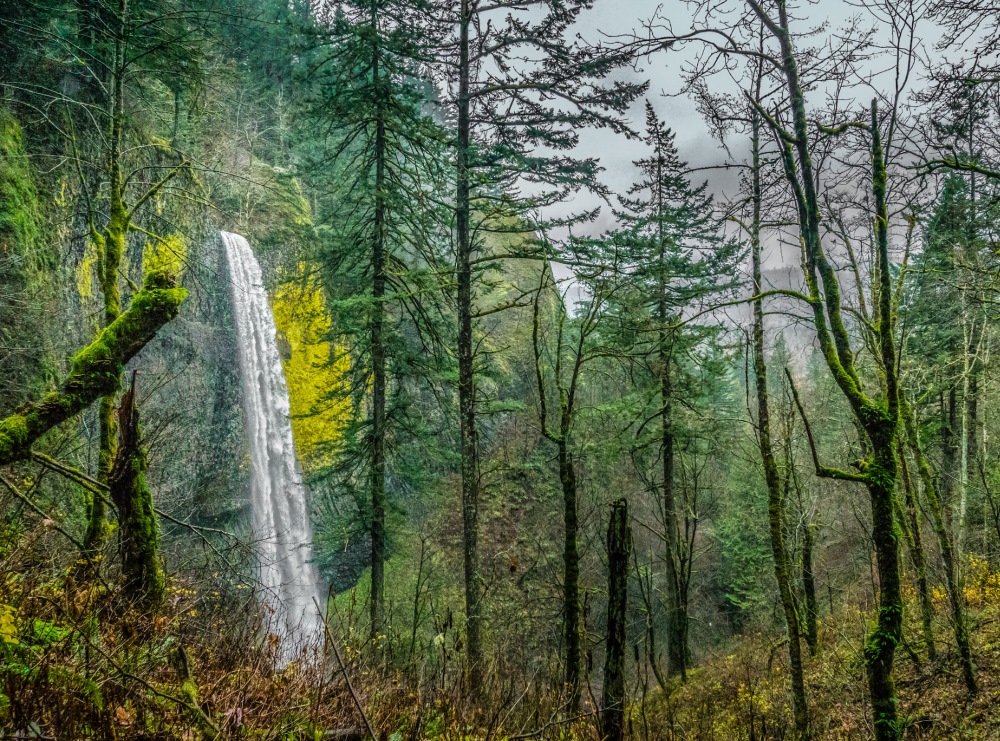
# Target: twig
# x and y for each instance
(73, 474)
(821, 470)
(343, 668)
(539, 731)
(200, 532)
(39, 511)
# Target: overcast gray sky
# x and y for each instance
(663, 70)
(611, 18)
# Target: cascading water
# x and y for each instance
(282, 529)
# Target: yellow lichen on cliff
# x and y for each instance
(166, 255)
(85, 271)
(314, 375)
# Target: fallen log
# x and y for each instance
(94, 370)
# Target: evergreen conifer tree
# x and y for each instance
(378, 168)
(522, 85)
(670, 247)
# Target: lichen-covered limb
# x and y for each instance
(95, 370)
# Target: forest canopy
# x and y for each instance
(457, 369)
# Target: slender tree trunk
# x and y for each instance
(676, 649)
(775, 499)
(966, 441)
(377, 596)
(619, 547)
(973, 412)
(571, 572)
(567, 478)
(882, 427)
(955, 597)
(809, 588)
(466, 381)
(676, 617)
(972, 409)
(646, 592)
(177, 117)
(918, 557)
(949, 451)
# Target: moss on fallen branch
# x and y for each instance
(95, 370)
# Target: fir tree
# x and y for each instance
(671, 248)
(522, 86)
(379, 167)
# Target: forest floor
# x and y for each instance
(743, 693)
(75, 664)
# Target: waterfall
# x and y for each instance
(282, 531)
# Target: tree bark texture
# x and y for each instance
(619, 544)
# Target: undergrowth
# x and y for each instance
(77, 663)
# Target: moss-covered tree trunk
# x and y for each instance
(881, 423)
(880, 647)
(110, 244)
(95, 370)
(613, 701)
(877, 416)
(138, 535)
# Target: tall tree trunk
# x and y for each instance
(613, 700)
(567, 479)
(967, 442)
(676, 614)
(918, 557)
(377, 596)
(111, 249)
(972, 411)
(571, 571)
(879, 417)
(955, 597)
(466, 381)
(676, 648)
(775, 498)
(882, 428)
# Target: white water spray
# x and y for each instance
(280, 511)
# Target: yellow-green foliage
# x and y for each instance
(8, 625)
(312, 370)
(85, 271)
(166, 255)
